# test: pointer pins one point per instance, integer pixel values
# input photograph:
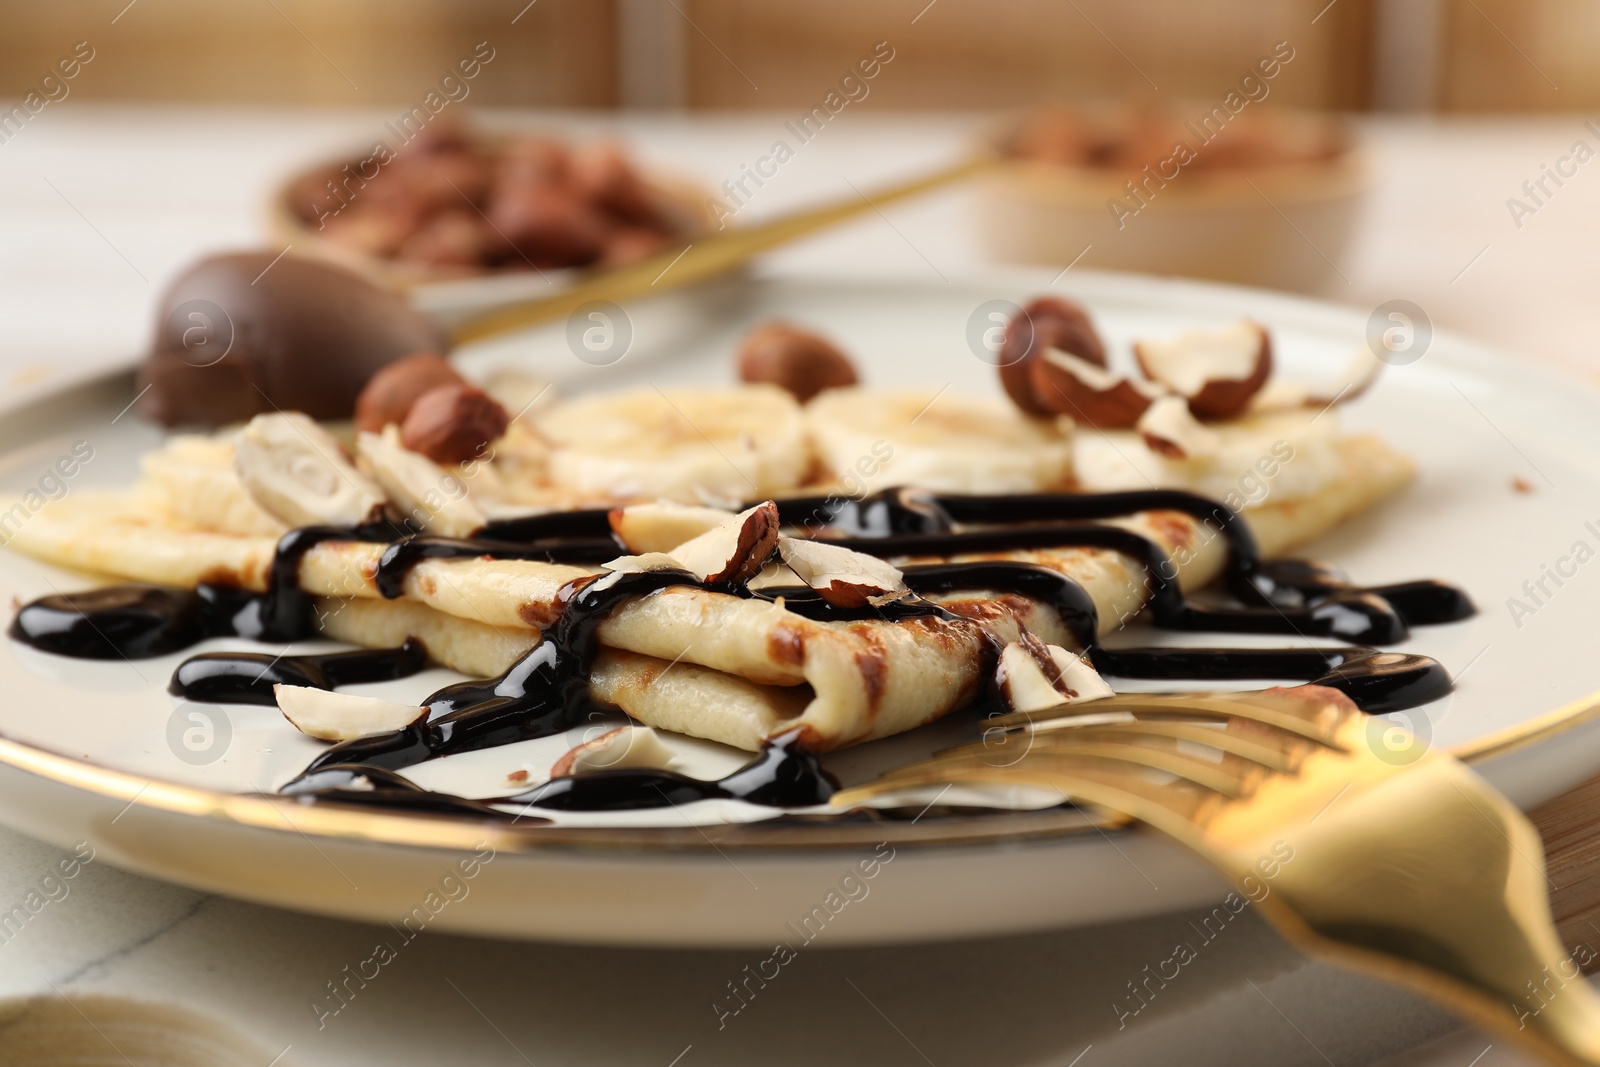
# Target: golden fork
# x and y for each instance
(1362, 847)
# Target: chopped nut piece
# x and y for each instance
(645, 561)
(1034, 676)
(1360, 375)
(332, 716)
(1353, 382)
(844, 578)
(1068, 385)
(1217, 371)
(1170, 430)
(1046, 322)
(736, 550)
(624, 747)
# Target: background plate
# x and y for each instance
(97, 750)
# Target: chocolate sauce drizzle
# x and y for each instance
(782, 775)
(546, 692)
(248, 677)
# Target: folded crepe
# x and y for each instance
(686, 659)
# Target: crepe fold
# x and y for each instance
(707, 664)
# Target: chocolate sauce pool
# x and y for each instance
(546, 692)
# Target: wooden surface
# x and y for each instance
(349, 53)
(1570, 826)
(1518, 55)
(1472, 55)
(1010, 53)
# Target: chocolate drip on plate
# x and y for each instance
(248, 677)
(781, 775)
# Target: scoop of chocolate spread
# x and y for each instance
(239, 334)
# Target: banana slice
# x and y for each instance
(428, 496)
(868, 440)
(741, 444)
(297, 470)
(1282, 456)
(193, 477)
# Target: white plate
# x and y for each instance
(92, 749)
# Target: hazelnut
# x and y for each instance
(1360, 376)
(451, 423)
(443, 180)
(844, 578)
(1046, 322)
(332, 716)
(531, 160)
(642, 563)
(449, 239)
(630, 244)
(1170, 429)
(373, 229)
(389, 394)
(446, 133)
(549, 224)
(310, 196)
(624, 747)
(1037, 677)
(1352, 383)
(602, 174)
(734, 551)
(1217, 371)
(779, 354)
(1066, 385)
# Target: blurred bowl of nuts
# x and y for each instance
(463, 219)
(1232, 190)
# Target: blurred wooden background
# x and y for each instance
(1448, 55)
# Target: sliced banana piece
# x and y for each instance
(661, 526)
(743, 443)
(194, 478)
(519, 462)
(429, 497)
(519, 392)
(297, 471)
(945, 440)
(1280, 456)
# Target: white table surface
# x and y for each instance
(100, 205)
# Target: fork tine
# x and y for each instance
(1416, 871)
(1320, 726)
(1172, 807)
(1234, 780)
(1284, 755)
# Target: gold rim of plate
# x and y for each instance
(458, 832)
